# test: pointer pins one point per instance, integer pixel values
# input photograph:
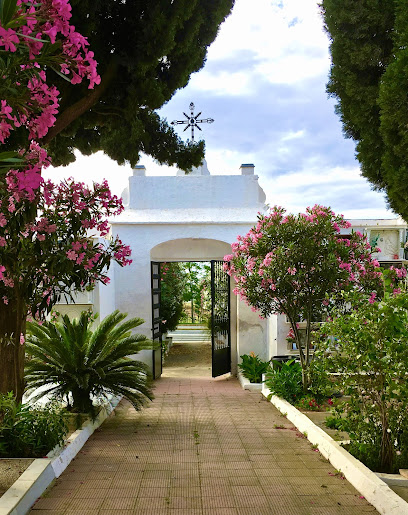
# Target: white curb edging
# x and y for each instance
(362, 478)
(20, 497)
(247, 385)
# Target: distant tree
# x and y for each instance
(369, 77)
(195, 274)
(172, 288)
(146, 50)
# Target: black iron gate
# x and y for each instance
(220, 319)
(156, 320)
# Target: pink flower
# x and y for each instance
(371, 300)
(8, 39)
(292, 271)
(22, 339)
(3, 220)
(72, 255)
(2, 241)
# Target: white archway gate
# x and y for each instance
(188, 218)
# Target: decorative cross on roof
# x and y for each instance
(192, 121)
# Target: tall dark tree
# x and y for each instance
(369, 78)
(146, 50)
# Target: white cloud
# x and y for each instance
(253, 86)
(287, 43)
(293, 135)
(341, 188)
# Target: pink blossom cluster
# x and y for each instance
(269, 268)
(48, 254)
(44, 20)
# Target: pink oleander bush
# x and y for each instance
(298, 265)
(54, 238)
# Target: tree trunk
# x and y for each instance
(12, 326)
(81, 401)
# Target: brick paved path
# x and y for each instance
(203, 447)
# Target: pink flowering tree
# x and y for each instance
(49, 247)
(298, 265)
(47, 232)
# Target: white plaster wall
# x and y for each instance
(149, 192)
(251, 332)
(106, 294)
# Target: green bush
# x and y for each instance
(370, 355)
(338, 423)
(27, 432)
(74, 363)
(285, 380)
(253, 367)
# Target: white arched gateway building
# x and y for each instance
(196, 217)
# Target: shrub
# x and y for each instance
(285, 380)
(370, 353)
(253, 367)
(338, 423)
(297, 265)
(27, 432)
(75, 363)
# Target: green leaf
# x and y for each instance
(7, 155)
(7, 10)
(34, 39)
(65, 77)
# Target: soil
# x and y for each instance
(189, 359)
(11, 470)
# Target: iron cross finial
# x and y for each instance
(192, 121)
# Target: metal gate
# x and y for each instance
(220, 319)
(156, 320)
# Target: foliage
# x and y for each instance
(369, 78)
(338, 423)
(370, 353)
(146, 51)
(285, 380)
(197, 285)
(298, 265)
(68, 360)
(311, 402)
(171, 301)
(253, 367)
(27, 432)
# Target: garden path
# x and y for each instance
(202, 447)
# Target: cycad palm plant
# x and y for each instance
(69, 360)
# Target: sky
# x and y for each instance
(264, 84)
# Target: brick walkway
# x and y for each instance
(203, 447)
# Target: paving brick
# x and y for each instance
(149, 463)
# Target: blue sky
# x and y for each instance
(264, 84)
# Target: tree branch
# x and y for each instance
(84, 104)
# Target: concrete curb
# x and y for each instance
(20, 497)
(362, 478)
(246, 385)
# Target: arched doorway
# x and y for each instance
(223, 305)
